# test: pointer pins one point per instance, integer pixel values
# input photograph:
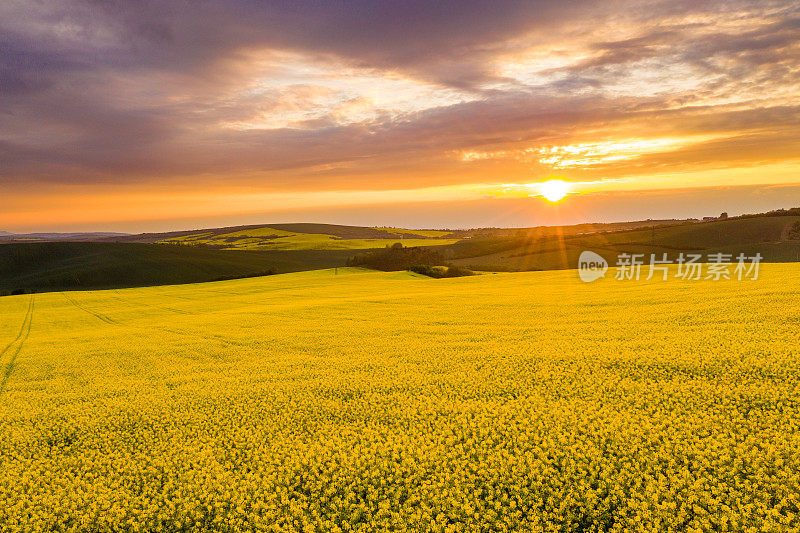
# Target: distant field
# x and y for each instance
(364, 401)
(205, 255)
(420, 232)
(274, 238)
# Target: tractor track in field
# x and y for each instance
(185, 298)
(179, 332)
(113, 322)
(100, 316)
(22, 336)
(204, 337)
(145, 305)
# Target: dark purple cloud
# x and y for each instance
(142, 90)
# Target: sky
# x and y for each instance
(149, 115)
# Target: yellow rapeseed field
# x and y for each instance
(364, 401)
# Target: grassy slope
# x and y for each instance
(54, 266)
(527, 399)
(766, 235)
(49, 266)
(311, 237)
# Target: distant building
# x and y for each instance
(709, 219)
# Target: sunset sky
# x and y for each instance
(153, 115)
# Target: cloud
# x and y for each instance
(381, 94)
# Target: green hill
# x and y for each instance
(213, 254)
(774, 237)
(91, 265)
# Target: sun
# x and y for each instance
(554, 190)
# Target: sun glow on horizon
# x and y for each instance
(554, 190)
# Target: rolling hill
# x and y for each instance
(300, 236)
(47, 266)
(774, 237)
(241, 251)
